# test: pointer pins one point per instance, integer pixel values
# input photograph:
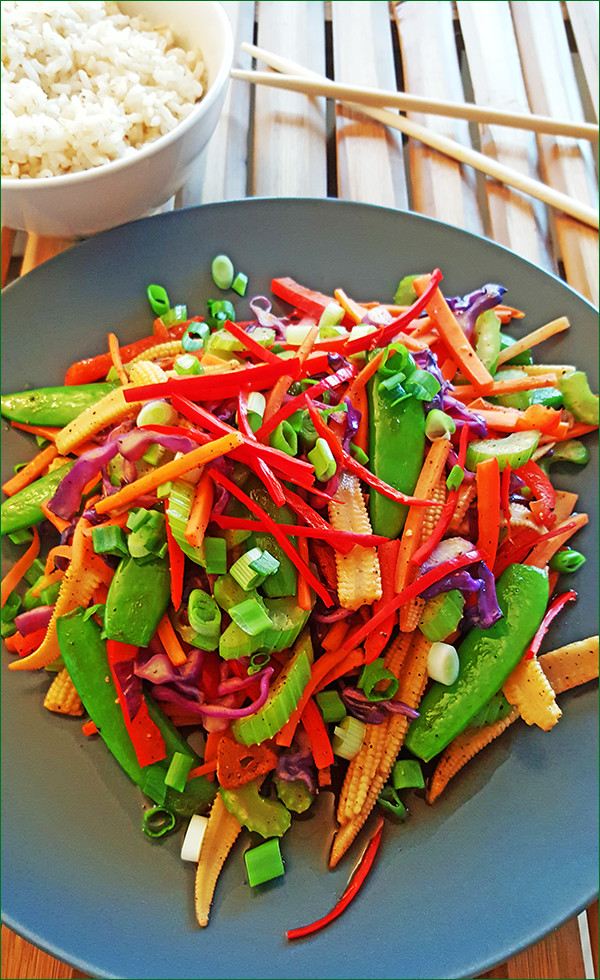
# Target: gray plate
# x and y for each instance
(510, 850)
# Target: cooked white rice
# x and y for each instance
(83, 85)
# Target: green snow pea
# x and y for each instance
(53, 406)
(137, 598)
(84, 654)
(487, 657)
(23, 508)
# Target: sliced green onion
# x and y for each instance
(348, 737)
(177, 314)
(422, 385)
(10, 608)
(215, 555)
(23, 536)
(284, 438)
(222, 271)
(407, 774)
(389, 800)
(243, 571)
(158, 821)
(439, 425)
(331, 706)
(263, 863)
(258, 661)
(323, 460)
(443, 663)
(372, 676)
(240, 284)
(441, 615)
(359, 454)
(265, 564)
(194, 337)
(251, 617)
(567, 561)
(158, 299)
(204, 617)
(187, 364)
(455, 477)
(178, 770)
(110, 540)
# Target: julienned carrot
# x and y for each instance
(200, 511)
(316, 729)
(532, 339)
(454, 338)
(355, 311)
(118, 521)
(487, 477)
(335, 635)
(263, 353)
(206, 769)
(16, 573)
(304, 596)
(169, 471)
(115, 356)
(503, 419)
(93, 368)
(360, 404)
(364, 374)
(60, 551)
(504, 386)
(43, 431)
(170, 642)
(31, 471)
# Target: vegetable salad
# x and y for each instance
(263, 558)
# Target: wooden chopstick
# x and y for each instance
(378, 98)
(463, 154)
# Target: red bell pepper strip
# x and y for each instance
(553, 610)
(542, 490)
(422, 554)
(351, 890)
(263, 353)
(345, 373)
(300, 297)
(267, 476)
(145, 735)
(177, 566)
(515, 551)
(316, 729)
(275, 530)
(377, 639)
(487, 477)
(353, 466)
(93, 368)
(346, 539)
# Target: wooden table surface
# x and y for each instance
(540, 57)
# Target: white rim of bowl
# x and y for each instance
(150, 149)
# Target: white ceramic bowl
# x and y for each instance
(80, 204)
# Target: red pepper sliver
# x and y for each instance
(146, 738)
(342, 541)
(352, 889)
(263, 353)
(377, 639)
(332, 381)
(316, 729)
(267, 476)
(177, 566)
(553, 610)
(541, 488)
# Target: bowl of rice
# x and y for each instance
(106, 108)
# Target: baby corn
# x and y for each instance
(107, 411)
(358, 573)
(62, 696)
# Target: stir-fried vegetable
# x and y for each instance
(323, 539)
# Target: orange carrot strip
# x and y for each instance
(43, 431)
(534, 338)
(60, 551)
(454, 338)
(335, 635)
(275, 399)
(541, 554)
(169, 640)
(89, 728)
(352, 661)
(206, 769)
(507, 313)
(115, 355)
(120, 520)
(169, 471)
(200, 511)
(59, 522)
(364, 374)
(31, 471)
(316, 729)
(448, 368)
(423, 326)
(487, 478)
(16, 573)
(505, 386)
(359, 402)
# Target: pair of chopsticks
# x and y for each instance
(376, 103)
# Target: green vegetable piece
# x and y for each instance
(525, 357)
(331, 706)
(23, 508)
(228, 592)
(137, 598)
(323, 460)
(549, 397)
(570, 451)
(493, 710)
(294, 794)
(287, 619)
(371, 678)
(11, 607)
(441, 615)
(486, 658)
(486, 335)
(515, 449)
(578, 398)
(251, 616)
(84, 653)
(215, 555)
(181, 498)
(187, 364)
(110, 540)
(204, 617)
(263, 863)
(244, 572)
(439, 425)
(407, 774)
(158, 299)
(52, 406)
(282, 699)
(283, 582)
(222, 271)
(178, 770)
(269, 818)
(397, 446)
(194, 337)
(240, 284)
(284, 438)
(158, 821)
(455, 477)
(515, 399)
(405, 294)
(175, 315)
(265, 564)
(24, 536)
(389, 801)
(218, 311)
(35, 572)
(567, 561)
